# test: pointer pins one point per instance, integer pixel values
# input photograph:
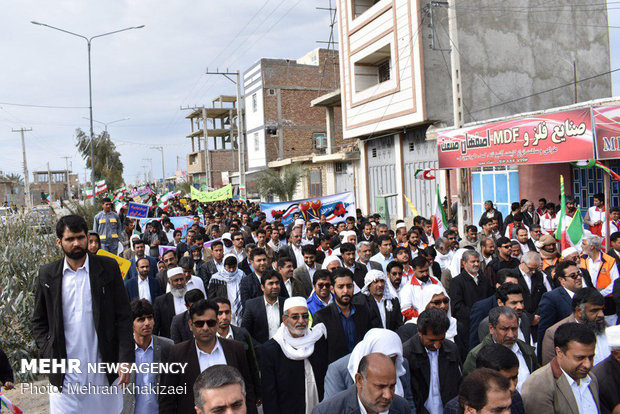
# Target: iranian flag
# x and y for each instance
(424, 175)
(88, 192)
(100, 187)
(569, 235)
(439, 218)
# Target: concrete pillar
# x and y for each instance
(400, 175)
(330, 177)
(361, 191)
(331, 129)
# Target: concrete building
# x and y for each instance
(396, 85)
(216, 126)
(293, 116)
(41, 184)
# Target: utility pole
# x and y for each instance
(49, 181)
(27, 200)
(462, 175)
(151, 169)
(240, 130)
(177, 163)
(575, 81)
(163, 168)
(67, 176)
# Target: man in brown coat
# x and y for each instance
(565, 385)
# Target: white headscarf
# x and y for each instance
(372, 276)
(455, 263)
(383, 341)
(427, 297)
(329, 259)
(300, 348)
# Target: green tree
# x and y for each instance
(281, 183)
(108, 164)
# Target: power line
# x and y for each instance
(548, 90)
(43, 106)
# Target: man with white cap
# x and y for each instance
(293, 363)
(608, 373)
(171, 304)
(384, 309)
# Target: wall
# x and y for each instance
(254, 121)
(521, 48)
(543, 181)
(224, 160)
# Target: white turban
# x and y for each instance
(568, 251)
(175, 271)
(294, 302)
(330, 259)
(372, 276)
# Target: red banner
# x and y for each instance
(541, 139)
(607, 127)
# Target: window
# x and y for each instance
(256, 142)
(320, 141)
(254, 103)
(360, 6)
(373, 69)
(315, 183)
(411, 146)
(374, 153)
(272, 92)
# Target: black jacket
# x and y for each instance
(250, 288)
(419, 365)
(185, 352)
(359, 274)
(164, 312)
(496, 264)
(464, 292)
(284, 380)
(133, 291)
(393, 318)
(179, 328)
(207, 269)
(255, 318)
(608, 375)
(6, 372)
(336, 339)
(531, 297)
(111, 313)
(554, 306)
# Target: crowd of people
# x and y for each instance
(280, 315)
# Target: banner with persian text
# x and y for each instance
(607, 127)
(541, 139)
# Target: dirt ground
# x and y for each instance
(27, 400)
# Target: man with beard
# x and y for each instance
(383, 308)
(293, 363)
(490, 214)
(139, 249)
(384, 257)
(302, 276)
(596, 215)
(587, 306)
(250, 285)
(394, 279)
(487, 252)
(205, 350)
(170, 260)
(364, 252)
(601, 267)
(523, 238)
(504, 327)
(143, 286)
(565, 385)
(346, 323)
(503, 260)
(608, 373)
(411, 294)
(262, 315)
(81, 311)
(170, 304)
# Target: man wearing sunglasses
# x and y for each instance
(321, 295)
(293, 363)
(206, 349)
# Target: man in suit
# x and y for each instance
(565, 385)
(483, 391)
(511, 296)
(143, 286)
(347, 255)
(219, 388)
(171, 303)
(139, 249)
(262, 315)
(179, 328)
(608, 373)
(250, 286)
(214, 265)
(81, 311)
(346, 322)
(364, 253)
(302, 275)
(200, 353)
(503, 324)
(467, 288)
(291, 371)
(556, 305)
(150, 349)
(503, 260)
(533, 283)
(293, 248)
(384, 310)
(170, 261)
(373, 392)
(430, 356)
(480, 309)
(587, 307)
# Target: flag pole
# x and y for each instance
(607, 185)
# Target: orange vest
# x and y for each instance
(546, 263)
(604, 273)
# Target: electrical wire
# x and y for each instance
(42, 106)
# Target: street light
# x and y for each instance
(163, 168)
(105, 124)
(90, 89)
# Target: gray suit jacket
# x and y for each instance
(301, 282)
(346, 402)
(161, 350)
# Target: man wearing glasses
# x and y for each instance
(237, 249)
(293, 363)
(503, 260)
(206, 349)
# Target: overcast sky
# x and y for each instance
(145, 74)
